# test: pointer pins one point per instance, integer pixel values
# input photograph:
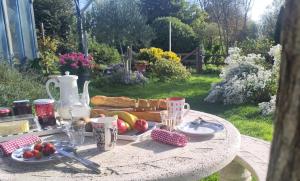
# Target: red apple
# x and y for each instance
(141, 125)
(122, 128)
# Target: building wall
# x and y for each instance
(17, 31)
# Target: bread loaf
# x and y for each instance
(125, 102)
(113, 101)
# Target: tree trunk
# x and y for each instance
(79, 26)
(285, 152)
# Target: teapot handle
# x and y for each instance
(47, 87)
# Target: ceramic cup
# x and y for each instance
(176, 106)
(105, 132)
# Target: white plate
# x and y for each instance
(203, 128)
(17, 155)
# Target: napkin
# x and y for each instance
(6, 148)
(168, 137)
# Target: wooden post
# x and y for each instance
(170, 36)
(199, 59)
(43, 33)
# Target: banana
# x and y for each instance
(127, 117)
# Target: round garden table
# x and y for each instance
(143, 160)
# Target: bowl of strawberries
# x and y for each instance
(37, 153)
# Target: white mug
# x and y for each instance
(176, 106)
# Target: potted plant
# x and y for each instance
(76, 64)
(141, 65)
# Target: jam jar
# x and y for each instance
(44, 110)
(4, 112)
(22, 107)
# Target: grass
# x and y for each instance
(246, 118)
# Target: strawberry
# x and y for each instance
(47, 145)
(27, 154)
(34, 152)
(37, 154)
(46, 151)
(38, 146)
(51, 150)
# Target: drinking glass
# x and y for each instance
(170, 120)
(75, 130)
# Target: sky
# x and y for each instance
(259, 6)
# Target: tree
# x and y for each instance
(56, 15)
(153, 9)
(269, 19)
(285, 152)
(119, 23)
(181, 9)
(231, 17)
(183, 36)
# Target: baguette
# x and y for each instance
(123, 102)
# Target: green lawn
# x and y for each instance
(245, 117)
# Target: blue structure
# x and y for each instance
(17, 31)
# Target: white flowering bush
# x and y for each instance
(245, 79)
(268, 108)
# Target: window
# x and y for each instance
(27, 28)
(17, 31)
(3, 39)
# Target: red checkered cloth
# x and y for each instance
(168, 137)
(6, 148)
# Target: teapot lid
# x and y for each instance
(68, 76)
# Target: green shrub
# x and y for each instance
(212, 69)
(104, 54)
(183, 36)
(257, 46)
(169, 70)
(15, 86)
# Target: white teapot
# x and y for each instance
(69, 97)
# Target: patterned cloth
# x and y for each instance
(168, 137)
(6, 148)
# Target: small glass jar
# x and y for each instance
(5, 112)
(22, 107)
(44, 110)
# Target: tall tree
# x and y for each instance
(182, 9)
(120, 23)
(56, 15)
(153, 9)
(231, 17)
(269, 19)
(285, 152)
(183, 36)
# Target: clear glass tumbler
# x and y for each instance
(75, 131)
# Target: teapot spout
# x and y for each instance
(85, 99)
